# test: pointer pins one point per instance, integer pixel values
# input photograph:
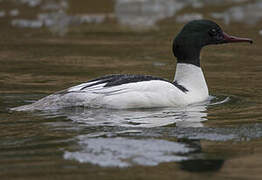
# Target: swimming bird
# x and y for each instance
(141, 91)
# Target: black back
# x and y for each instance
(119, 79)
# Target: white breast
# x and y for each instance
(192, 78)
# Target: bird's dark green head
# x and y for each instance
(197, 34)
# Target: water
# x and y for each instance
(47, 46)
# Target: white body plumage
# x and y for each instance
(140, 94)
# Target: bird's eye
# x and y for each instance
(212, 32)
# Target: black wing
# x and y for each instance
(119, 79)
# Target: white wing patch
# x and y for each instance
(90, 85)
(97, 88)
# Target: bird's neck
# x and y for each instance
(192, 78)
(187, 54)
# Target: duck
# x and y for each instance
(126, 91)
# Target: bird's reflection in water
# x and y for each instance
(199, 161)
(122, 148)
(202, 165)
(189, 116)
(126, 152)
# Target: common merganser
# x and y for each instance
(140, 91)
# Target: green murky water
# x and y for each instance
(47, 46)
